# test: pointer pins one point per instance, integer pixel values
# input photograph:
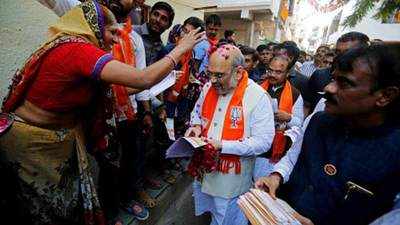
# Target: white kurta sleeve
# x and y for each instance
(262, 132)
(195, 116)
(140, 60)
(298, 113)
(60, 7)
(285, 166)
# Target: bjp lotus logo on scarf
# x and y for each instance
(236, 116)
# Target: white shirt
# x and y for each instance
(60, 7)
(285, 166)
(297, 113)
(140, 60)
(308, 68)
(261, 125)
(297, 109)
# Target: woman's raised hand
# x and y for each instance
(190, 40)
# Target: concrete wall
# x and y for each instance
(23, 27)
(241, 27)
(263, 27)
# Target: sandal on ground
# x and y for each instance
(147, 199)
(169, 178)
(137, 210)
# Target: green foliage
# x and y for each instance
(362, 8)
(387, 9)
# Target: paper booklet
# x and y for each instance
(184, 147)
(163, 85)
(261, 209)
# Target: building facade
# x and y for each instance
(253, 20)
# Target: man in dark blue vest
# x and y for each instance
(349, 164)
(322, 77)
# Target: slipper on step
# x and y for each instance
(137, 210)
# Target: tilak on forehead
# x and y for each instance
(227, 52)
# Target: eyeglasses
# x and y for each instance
(216, 75)
(277, 72)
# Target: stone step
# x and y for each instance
(175, 205)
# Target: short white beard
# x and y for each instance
(233, 82)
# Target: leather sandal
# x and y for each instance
(147, 199)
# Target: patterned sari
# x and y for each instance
(54, 171)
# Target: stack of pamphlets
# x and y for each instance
(261, 209)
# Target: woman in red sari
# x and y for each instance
(63, 105)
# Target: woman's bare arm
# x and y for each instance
(116, 72)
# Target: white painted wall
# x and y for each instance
(23, 28)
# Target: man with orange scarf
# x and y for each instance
(213, 24)
(235, 116)
(177, 96)
(288, 108)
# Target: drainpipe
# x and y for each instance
(252, 33)
(277, 32)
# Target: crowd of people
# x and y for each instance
(88, 138)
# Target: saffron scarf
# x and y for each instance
(213, 45)
(183, 81)
(233, 123)
(286, 105)
(213, 42)
(123, 51)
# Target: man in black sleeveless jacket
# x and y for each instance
(349, 165)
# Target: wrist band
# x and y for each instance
(172, 59)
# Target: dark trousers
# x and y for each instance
(11, 206)
(132, 159)
(182, 107)
(118, 184)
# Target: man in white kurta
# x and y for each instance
(217, 193)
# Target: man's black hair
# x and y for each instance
(362, 39)
(268, 46)
(246, 50)
(195, 22)
(228, 33)
(384, 63)
(290, 43)
(261, 48)
(213, 19)
(292, 51)
(167, 7)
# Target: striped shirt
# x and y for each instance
(308, 68)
